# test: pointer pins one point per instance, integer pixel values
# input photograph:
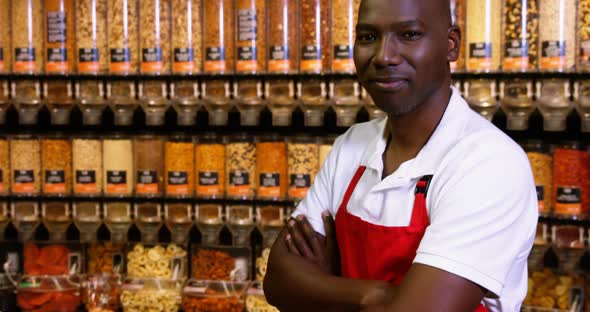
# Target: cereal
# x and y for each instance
(549, 290)
(241, 169)
(27, 36)
(250, 37)
(571, 176)
(302, 167)
(258, 304)
(218, 24)
(87, 166)
(271, 163)
(187, 55)
(324, 152)
(122, 35)
(344, 18)
(557, 34)
(151, 296)
(31, 299)
(521, 33)
(25, 159)
(104, 257)
(60, 41)
(154, 43)
(542, 165)
(149, 165)
(583, 63)
(4, 167)
(262, 265)
(5, 43)
(212, 265)
(210, 164)
(315, 36)
(57, 166)
(180, 168)
(282, 42)
(483, 37)
(117, 164)
(225, 304)
(91, 32)
(156, 262)
(458, 19)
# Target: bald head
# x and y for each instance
(440, 10)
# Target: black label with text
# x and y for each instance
(85, 176)
(300, 180)
(238, 178)
(208, 178)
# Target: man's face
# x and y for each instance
(402, 51)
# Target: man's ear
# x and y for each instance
(454, 43)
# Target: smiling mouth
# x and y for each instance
(393, 84)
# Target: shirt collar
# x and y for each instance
(444, 137)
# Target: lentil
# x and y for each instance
(87, 166)
(5, 43)
(517, 42)
(153, 262)
(344, 19)
(91, 36)
(122, 33)
(104, 257)
(149, 165)
(118, 166)
(212, 265)
(180, 168)
(282, 40)
(210, 159)
(250, 36)
(218, 24)
(4, 167)
(484, 18)
(271, 163)
(25, 159)
(458, 19)
(57, 166)
(315, 37)
(583, 63)
(213, 304)
(241, 169)
(302, 167)
(60, 41)
(557, 34)
(27, 36)
(154, 43)
(186, 36)
(542, 165)
(570, 181)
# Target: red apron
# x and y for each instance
(375, 252)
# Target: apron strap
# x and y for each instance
(419, 211)
(355, 180)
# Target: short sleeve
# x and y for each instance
(483, 216)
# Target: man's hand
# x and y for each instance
(303, 241)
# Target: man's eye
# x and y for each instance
(366, 37)
(411, 35)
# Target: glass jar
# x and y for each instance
(91, 36)
(250, 36)
(583, 36)
(4, 220)
(184, 96)
(7, 294)
(25, 217)
(86, 215)
(187, 55)
(280, 98)
(262, 264)
(60, 22)
(101, 292)
(154, 36)
(582, 101)
(571, 174)
(121, 99)
(221, 263)
(248, 97)
(122, 32)
(57, 219)
(270, 221)
(87, 166)
(117, 165)
(325, 149)
(59, 99)
(218, 24)
(179, 220)
(282, 36)
(27, 36)
(240, 222)
(313, 102)
(149, 165)
(148, 219)
(48, 293)
(27, 100)
(516, 98)
(521, 35)
(302, 160)
(180, 166)
(314, 40)
(217, 100)
(542, 165)
(147, 293)
(553, 100)
(4, 99)
(117, 218)
(458, 19)
(271, 164)
(4, 166)
(374, 111)
(153, 97)
(240, 163)
(163, 261)
(25, 160)
(214, 296)
(90, 100)
(345, 100)
(5, 42)
(569, 244)
(105, 258)
(210, 163)
(557, 35)
(56, 157)
(480, 94)
(59, 258)
(344, 19)
(209, 219)
(483, 36)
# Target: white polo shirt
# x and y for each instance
(482, 202)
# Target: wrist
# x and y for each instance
(379, 294)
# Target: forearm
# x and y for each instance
(294, 284)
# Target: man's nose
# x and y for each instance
(387, 53)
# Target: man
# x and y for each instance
(435, 209)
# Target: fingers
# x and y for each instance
(329, 225)
(299, 240)
(291, 246)
(310, 236)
